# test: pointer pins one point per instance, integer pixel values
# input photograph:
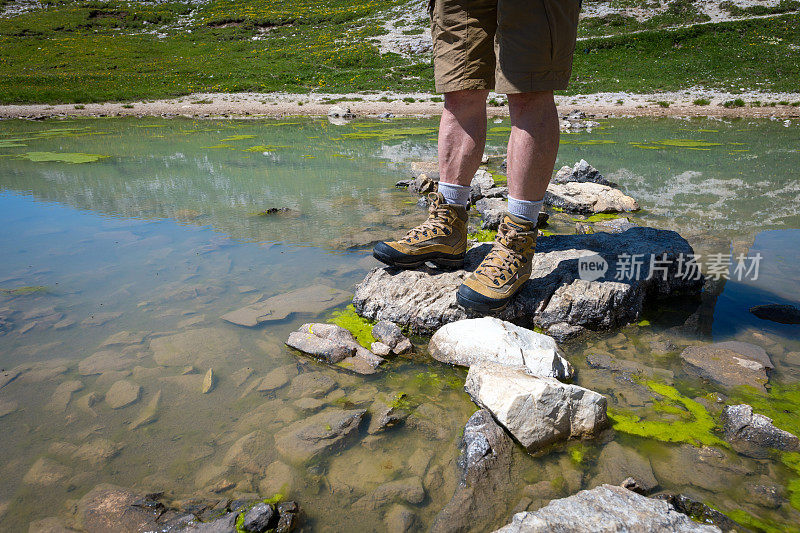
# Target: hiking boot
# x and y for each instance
(442, 239)
(504, 269)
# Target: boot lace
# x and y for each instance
(438, 223)
(505, 256)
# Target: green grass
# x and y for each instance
(80, 52)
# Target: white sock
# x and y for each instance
(455, 194)
(525, 209)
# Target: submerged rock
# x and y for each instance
(580, 172)
(751, 433)
(617, 464)
(334, 345)
(122, 394)
(195, 347)
(485, 466)
(784, 314)
(489, 339)
(729, 363)
(391, 335)
(329, 430)
(407, 490)
(536, 411)
(312, 300)
(588, 198)
(608, 509)
(555, 298)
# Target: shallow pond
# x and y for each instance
(125, 240)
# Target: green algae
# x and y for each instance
(751, 522)
(24, 291)
(237, 138)
(483, 235)
(500, 129)
(62, 157)
(695, 426)
(643, 323)
(597, 217)
(360, 327)
(264, 148)
(389, 134)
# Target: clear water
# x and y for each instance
(162, 236)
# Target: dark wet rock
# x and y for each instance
(329, 430)
(700, 512)
(288, 517)
(617, 225)
(485, 466)
(496, 192)
(784, 314)
(617, 464)
(388, 333)
(257, 519)
(279, 211)
(752, 434)
(385, 416)
(536, 411)
(408, 490)
(729, 363)
(493, 210)
(470, 341)
(403, 184)
(202, 346)
(555, 298)
(334, 345)
(581, 172)
(610, 507)
(122, 394)
(312, 300)
(312, 385)
(588, 198)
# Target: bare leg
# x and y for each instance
(462, 135)
(533, 144)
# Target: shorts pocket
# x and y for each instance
(562, 18)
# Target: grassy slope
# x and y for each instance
(82, 51)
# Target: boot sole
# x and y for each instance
(441, 260)
(482, 307)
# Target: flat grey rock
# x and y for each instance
(536, 411)
(588, 198)
(469, 341)
(753, 434)
(581, 172)
(312, 300)
(336, 346)
(606, 509)
(555, 298)
(730, 363)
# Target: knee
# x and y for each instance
(530, 100)
(465, 101)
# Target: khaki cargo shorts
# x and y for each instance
(510, 46)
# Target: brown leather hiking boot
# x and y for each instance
(442, 239)
(504, 269)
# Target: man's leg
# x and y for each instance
(532, 150)
(462, 137)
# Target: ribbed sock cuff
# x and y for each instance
(455, 194)
(525, 209)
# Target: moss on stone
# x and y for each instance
(484, 235)
(360, 327)
(696, 426)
